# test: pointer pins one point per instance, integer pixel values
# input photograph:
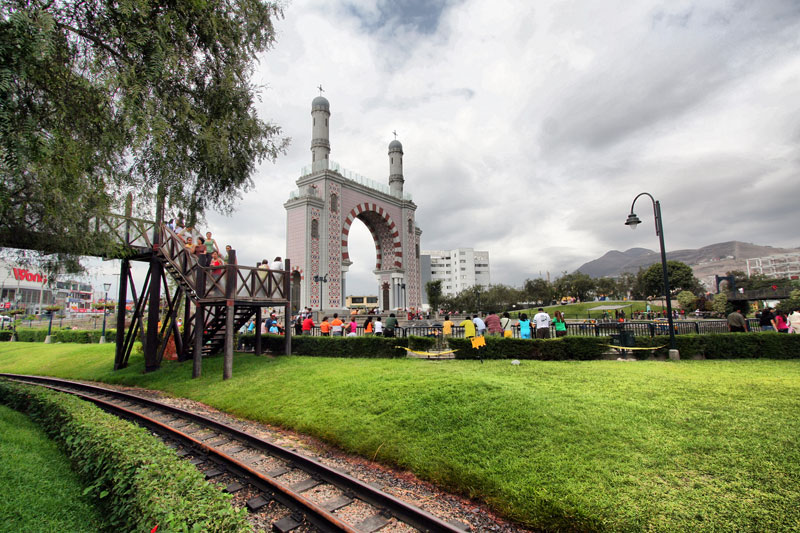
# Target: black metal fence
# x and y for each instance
(586, 329)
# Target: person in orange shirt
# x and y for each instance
(336, 326)
(368, 326)
(325, 327)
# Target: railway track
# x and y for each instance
(315, 496)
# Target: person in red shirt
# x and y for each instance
(308, 323)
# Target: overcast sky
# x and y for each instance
(529, 127)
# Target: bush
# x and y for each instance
(88, 336)
(137, 480)
(5, 335)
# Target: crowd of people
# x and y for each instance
(768, 320)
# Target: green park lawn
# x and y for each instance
(569, 446)
(581, 310)
(40, 492)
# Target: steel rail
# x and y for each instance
(405, 512)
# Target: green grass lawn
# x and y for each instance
(39, 490)
(574, 446)
(581, 310)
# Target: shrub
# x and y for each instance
(88, 336)
(135, 477)
(5, 335)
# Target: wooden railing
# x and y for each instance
(248, 283)
(128, 230)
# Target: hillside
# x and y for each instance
(706, 261)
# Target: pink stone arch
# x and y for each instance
(385, 233)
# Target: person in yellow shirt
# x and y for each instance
(469, 327)
(447, 326)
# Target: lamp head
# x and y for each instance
(633, 221)
(107, 286)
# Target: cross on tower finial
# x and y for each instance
(395, 134)
(321, 90)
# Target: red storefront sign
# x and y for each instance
(22, 274)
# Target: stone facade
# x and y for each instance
(329, 200)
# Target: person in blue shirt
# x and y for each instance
(524, 326)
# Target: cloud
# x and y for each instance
(528, 128)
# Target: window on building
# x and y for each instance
(315, 228)
(410, 225)
(334, 203)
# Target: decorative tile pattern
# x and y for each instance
(334, 255)
(314, 262)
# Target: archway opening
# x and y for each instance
(361, 282)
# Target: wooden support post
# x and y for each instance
(199, 321)
(121, 299)
(258, 331)
(153, 317)
(287, 313)
(187, 327)
(230, 311)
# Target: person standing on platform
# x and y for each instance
(736, 322)
(378, 326)
(368, 326)
(391, 323)
(480, 326)
(561, 325)
(505, 323)
(469, 327)
(336, 325)
(325, 327)
(211, 244)
(493, 325)
(524, 327)
(308, 325)
(447, 327)
(542, 322)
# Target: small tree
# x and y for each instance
(434, 290)
(720, 304)
(687, 300)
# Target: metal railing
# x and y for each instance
(598, 329)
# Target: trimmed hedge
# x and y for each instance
(582, 348)
(136, 479)
(370, 347)
(5, 335)
(767, 345)
(78, 336)
(710, 345)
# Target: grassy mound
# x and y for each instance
(574, 446)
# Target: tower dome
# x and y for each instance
(395, 146)
(320, 102)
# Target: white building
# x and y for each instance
(775, 266)
(458, 269)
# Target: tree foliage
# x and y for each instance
(98, 98)
(538, 290)
(577, 285)
(680, 275)
(434, 291)
(687, 300)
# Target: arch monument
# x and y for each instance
(328, 201)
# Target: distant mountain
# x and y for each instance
(706, 261)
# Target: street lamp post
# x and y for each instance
(634, 221)
(321, 280)
(106, 286)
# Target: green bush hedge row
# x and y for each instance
(137, 480)
(383, 347)
(711, 346)
(727, 345)
(78, 336)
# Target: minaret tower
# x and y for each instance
(396, 168)
(320, 143)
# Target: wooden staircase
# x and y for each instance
(247, 288)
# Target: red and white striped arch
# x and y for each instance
(385, 233)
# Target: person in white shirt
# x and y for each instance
(378, 325)
(480, 326)
(794, 321)
(542, 321)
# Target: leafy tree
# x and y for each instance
(607, 287)
(577, 284)
(98, 98)
(434, 291)
(538, 290)
(720, 304)
(680, 277)
(687, 300)
(498, 298)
